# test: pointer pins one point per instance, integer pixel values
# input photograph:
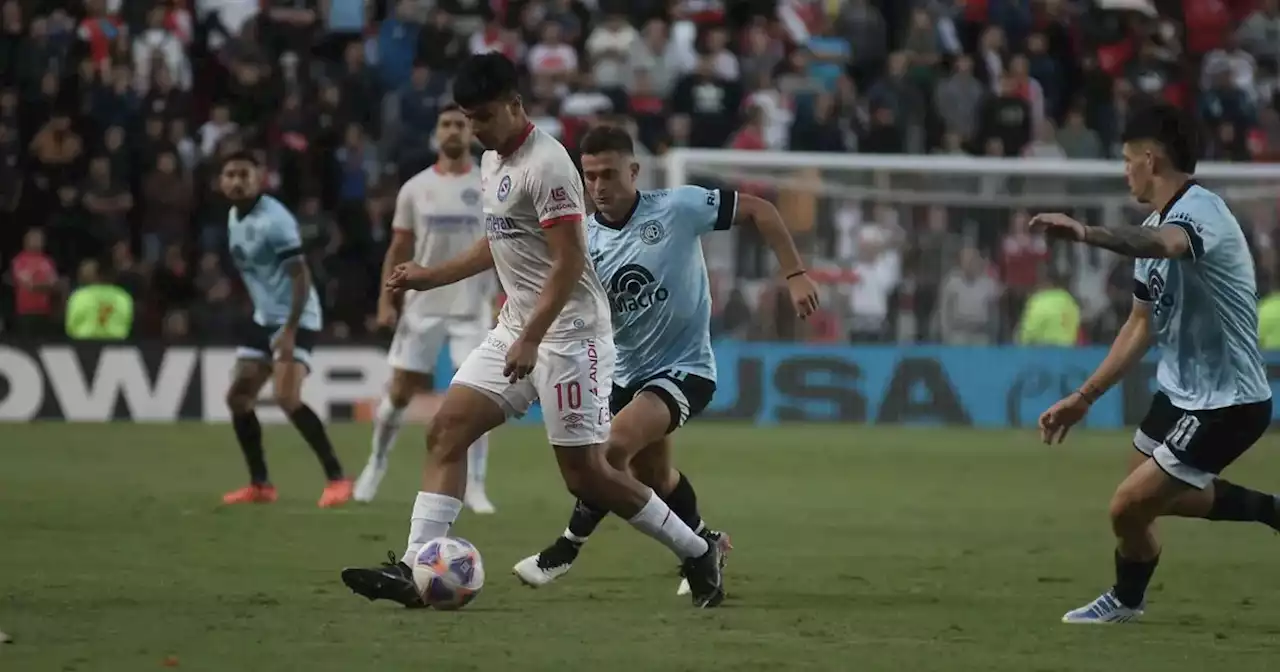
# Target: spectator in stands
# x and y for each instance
(108, 202)
(1021, 257)
(167, 207)
(1260, 33)
(711, 103)
(957, 99)
(1006, 117)
(968, 305)
(35, 284)
(158, 47)
(1078, 141)
(862, 25)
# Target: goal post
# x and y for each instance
(827, 197)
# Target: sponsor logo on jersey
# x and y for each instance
(470, 196)
(633, 288)
(498, 227)
(451, 221)
(504, 188)
(651, 232)
(558, 194)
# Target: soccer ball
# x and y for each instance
(448, 573)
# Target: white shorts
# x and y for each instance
(572, 379)
(417, 343)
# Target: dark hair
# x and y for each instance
(245, 155)
(1168, 127)
(484, 78)
(450, 106)
(607, 138)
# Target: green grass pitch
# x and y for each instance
(858, 548)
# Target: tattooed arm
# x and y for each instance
(1169, 241)
(1162, 242)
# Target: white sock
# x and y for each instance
(432, 517)
(386, 425)
(478, 463)
(657, 521)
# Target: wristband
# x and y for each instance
(1086, 396)
(797, 274)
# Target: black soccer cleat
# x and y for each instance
(706, 578)
(391, 581)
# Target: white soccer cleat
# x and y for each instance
(1105, 609)
(476, 500)
(366, 487)
(538, 570)
(684, 587)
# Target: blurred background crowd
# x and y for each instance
(113, 114)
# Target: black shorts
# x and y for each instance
(1195, 446)
(685, 395)
(255, 343)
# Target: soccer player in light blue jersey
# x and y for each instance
(276, 346)
(1195, 298)
(646, 248)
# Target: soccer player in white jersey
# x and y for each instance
(1195, 298)
(553, 343)
(646, 247)
(267, 249)
(438, 217)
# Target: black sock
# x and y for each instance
(1233, 502)
(1132, 577)
(684, 503)
(249, 434)
(309, 425)
(585, 519)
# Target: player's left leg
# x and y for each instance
(250, 376)
(1178, 479)
(287, 377)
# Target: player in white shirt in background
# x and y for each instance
(438, 217)
(553, 343)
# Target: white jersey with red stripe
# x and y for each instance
(533, 188)
(444, 213)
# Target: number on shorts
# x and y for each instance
(1182, 432)
(568, 395)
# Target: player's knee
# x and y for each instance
(1128, 515)
(239, 400)
(399, 392)
(651, 467)
(448, 437)
(623, 446)
(589, 477)
(288, 400)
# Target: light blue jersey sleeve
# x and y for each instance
(1206, 227)
(704, 210)
(283, 237)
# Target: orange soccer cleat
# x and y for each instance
(255, 493)
(336, 493)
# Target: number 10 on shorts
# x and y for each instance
(568, 396)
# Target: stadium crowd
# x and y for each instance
(113, 114)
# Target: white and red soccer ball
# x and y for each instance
(448, 572)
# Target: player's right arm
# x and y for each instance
(399, 252)
(474, 261)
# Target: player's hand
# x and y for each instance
(386, 316)
(282, 344)
(409, 276)
(1061, 417)
(521, 357)
(804, 295)
(1058, 225)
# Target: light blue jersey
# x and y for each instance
(1204, 307)
(652, 268)
(261, 242)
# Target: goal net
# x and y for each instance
(884, 234)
